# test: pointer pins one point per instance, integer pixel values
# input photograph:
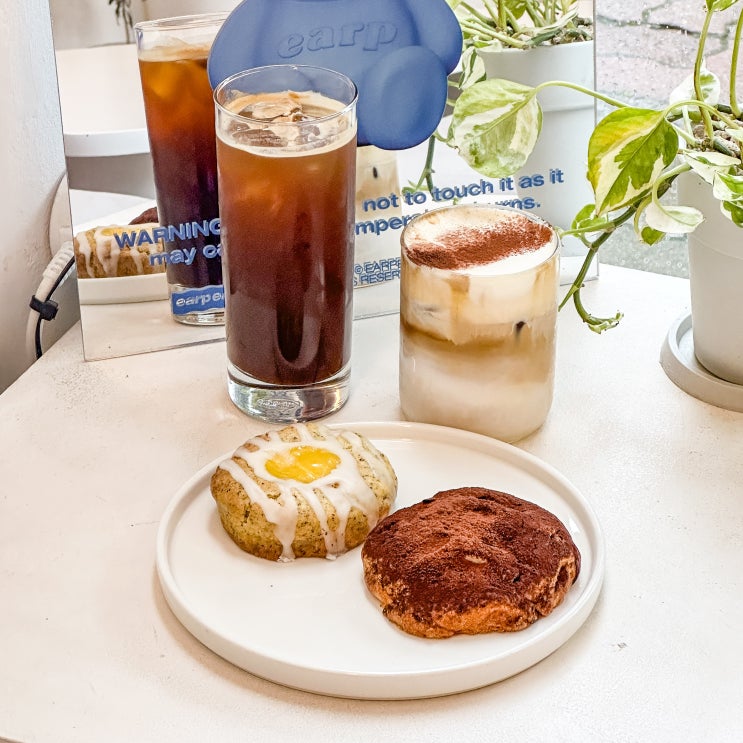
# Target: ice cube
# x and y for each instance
(277, 110)
(259, 138)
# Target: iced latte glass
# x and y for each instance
(180, 125)
(286, 154)
(478, 311)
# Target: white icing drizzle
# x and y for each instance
(344, 487)
(83, 247)
(108, 252)
(281, 511)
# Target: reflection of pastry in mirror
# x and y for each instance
(120, 250)
(303, 491)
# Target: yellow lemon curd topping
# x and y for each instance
(109, 231)
(302, 463)
(319, 475)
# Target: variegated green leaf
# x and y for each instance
(650, 236)
(728, 187)
(676, 219)
(708, 164)
(710, 85)
(517, 7)
(495, 125)
(473, 68)
(587, 220)
(549, 31)
(627, 151)
(735, 132)
(718, 5)
(583, 214)
(732, 212)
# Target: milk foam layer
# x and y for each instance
(285, 124)
(481, 301)
(485, 241)
(175, 51)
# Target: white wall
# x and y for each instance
(153, 9)
(31, 164)
(83, 23)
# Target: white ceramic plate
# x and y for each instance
(123, 289)
(312, 625)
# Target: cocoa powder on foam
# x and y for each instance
(464, 247)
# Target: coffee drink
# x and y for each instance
(478, 314)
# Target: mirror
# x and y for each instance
(124, 308)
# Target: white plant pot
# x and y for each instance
(716, 283)
(555, 174)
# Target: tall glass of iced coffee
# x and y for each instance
(478, 311)
(179, 110)
(286, 153)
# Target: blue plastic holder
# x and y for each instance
(397, 52)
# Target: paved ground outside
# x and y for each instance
(643, 51)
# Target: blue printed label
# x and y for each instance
(369, 273)
(203, 299)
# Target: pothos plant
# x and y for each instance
(504, 24)
(517, 24)
(634, 154)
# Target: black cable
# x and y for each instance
(48, 308)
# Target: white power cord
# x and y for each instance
(43, 307)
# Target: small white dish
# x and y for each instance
(680, 364)
(123, 289)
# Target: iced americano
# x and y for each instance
(180, 124)
(286, 162)
(478, 317)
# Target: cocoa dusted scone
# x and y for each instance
(148, 216)
(469, 561)
(303, 491)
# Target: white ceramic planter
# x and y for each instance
(555, 174)
(716, 283)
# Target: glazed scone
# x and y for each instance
(99, 255)
(469, 561)
(303, 491)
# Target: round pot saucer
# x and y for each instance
(680, 364)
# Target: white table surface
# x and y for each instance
(101, 100)
(91, 453)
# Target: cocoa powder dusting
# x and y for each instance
(476, 246)
(469, 560)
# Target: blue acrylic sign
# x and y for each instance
(397, 52)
